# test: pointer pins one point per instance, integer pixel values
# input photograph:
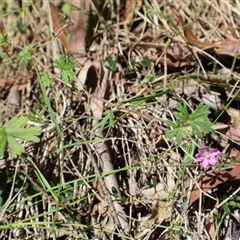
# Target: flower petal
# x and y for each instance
(213, 160)
(214, 152)
(205, 149)
(199, 157)
(204, 163)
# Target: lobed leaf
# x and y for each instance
(16, 122)
(15, 147)
(202, 111)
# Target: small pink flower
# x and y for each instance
(207, 156)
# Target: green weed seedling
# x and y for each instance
(189, 124)
(67, 66)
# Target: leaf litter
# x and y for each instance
(137, 63)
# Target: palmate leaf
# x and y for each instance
(66, 65)
(201, 111)
(15, 147)
(171, 133)
(17, 122)
(196, 130)
(178, 133)
(15, 129)
(173, 124)
(29, 134)
(183, 109)
(68, 76)
(180, 116)
(206, 126)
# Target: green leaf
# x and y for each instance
(180, 116)
(195, 130)
(64, 63)
(114, 192)
(171, 133)
(146, 62)
(67, 66)
(190, 147)
(15, 147)
(173, 124)
(108, 119)
(66, 8)
(187, 124)
(3, 141)
(182, 108)
(68, 76)
(29, 134)
(112, 64)
(179, 135)
(17, 122)
(45, 79)
(26, 54)
(150, 77)
(226, 209)
(15, 129)
(206, 126)
(201, 111)
(23, 28)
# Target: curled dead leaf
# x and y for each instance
(87, 76)
(212, 179)
(58, 26)
(229, 48)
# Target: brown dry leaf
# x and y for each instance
(190, 37)
(169, 62)
(15, 83)
(175, 52)
(212, 180)
(229, 48)
(159, 197)
(231, 131)
(131, 6)
(233, 134)
(78, 32)
(101, 219)
(173, 57)
(227, 29)
(58, 26)
(228, 132)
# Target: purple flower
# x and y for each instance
(207, 156)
